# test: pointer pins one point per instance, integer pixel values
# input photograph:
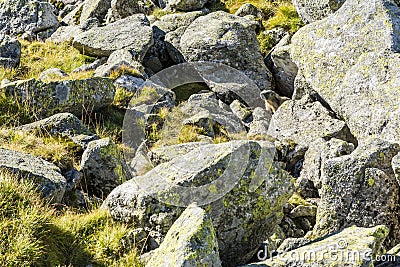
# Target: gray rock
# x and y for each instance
(191, 241)
(313, 10)
(249, 9)
(240, 110)
(30, 18)
(396, 167)
(91, 66)
(129, 83)
(73, 17)
(64, 125)
(132, 33)
(364, 244)
(260, 123)
(303, 211)
(65, 34)
(243, 218)
(352, 64)
(124, 8)
(94, 9)
(10, 52)
(120, 68)
(292, 243)
(225, 38)
(317, 154)
(185, 5)
(306, 120)
(45, 175)
(360, 189)
(103, 167)
(75, 96)
(52, 74)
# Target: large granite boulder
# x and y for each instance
(244, 213)
(351, 60)
(225, 38)
(190, 241)
(132, 33)
(313, 10)
(31, 19)
(352, 247)
(74, 96)
(360, 189)
(306, 120)
(10, 52)
(44, 175)
(103, 167)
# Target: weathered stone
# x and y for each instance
(91, 66)
(313, 10)
(303, 211)
(225, 38)
(132, 33)
(65, 125)
(306, 120)
(30, 18)
(130, 83)
(94, 9)
(10, 52)
(360, 189)
(65, 34)
(243, 218)
(52, 74)
(75, 96)
(190, 241)
(45, 175)
(260, 123)
(240, 110)
(125, 8)
(249, 9)
(185, 5)
(396, 167)
(103, 167)
(353, 247)
(350, 59)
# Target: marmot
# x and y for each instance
(272, 100)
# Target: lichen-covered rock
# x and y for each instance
(103, 167)
(306, 120)
(52, 74)
(260, 123)
(10, 52)
(396, 166)
(94, 9)
(350, 59)
(31, 19)
(62, 124)
(190, 241)
(318, 152)
(352, 247)
(249, 9)
(65, 34)
(243, 217)
(185, 5)
(360, 189)
(225, 38)
(124, 8)
(74, 96)
(313, 10)
(44, 175)
(132, 33)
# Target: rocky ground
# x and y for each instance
(200, 133)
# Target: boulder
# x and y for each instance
(351, 60)
(185, 5)
(360, 189)
(260, 123)
(10, 52)
(75, 96)
(190, 241)
(243, 213)
(225, 38)
(313, 10)
(65, 125)
(44, 175)
(249, 9)
(94, 9)
(132, 33)
(31, 19)
(52, 74)
(124, 8)
(396, 167)
(306, 120)
(65, 34)
(103, 167)
(353, 247)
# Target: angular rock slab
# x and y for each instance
(352, 247)
(103, 167)
(132, 33)
(360, 189)
(306, 120)
(225, 38)
(313, 10)
(75, 96)
(190, 241)
(10, 52)
(45, 175)
(342, 58)
(243, 217)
